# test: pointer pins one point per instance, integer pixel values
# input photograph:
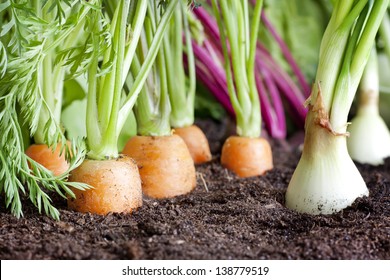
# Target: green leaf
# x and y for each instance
(206, 106)
(73, 90)
(6, 27)
(3, 60)
(73, 119)
(129, 130)
(301, 27)
(4, 5)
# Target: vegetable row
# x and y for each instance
(97, 100)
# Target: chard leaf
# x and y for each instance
(73, 118)
(301, 27)
(73, 90)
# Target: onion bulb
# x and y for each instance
(369, 140)
(326, 179)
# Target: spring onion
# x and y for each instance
(326, 179)
(369, 140)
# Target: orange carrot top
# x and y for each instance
(165, 165)
(196, 142)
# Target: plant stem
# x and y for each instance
(102, 115)
(349, 79)
(46, 81)
(119, 43)
(94, 134)
(147, 64)
(232, 22)
(153, 109)
(384, 31)
(181, 92)
(255, 117)
(369, 86)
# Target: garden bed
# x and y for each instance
(223, 218)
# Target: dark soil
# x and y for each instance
(223, 218)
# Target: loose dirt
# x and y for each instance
(223, 218)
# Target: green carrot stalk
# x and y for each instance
(152, 109)
(181, 73)
(167, 100)
(232, 18)
(106, 113)
(181, 88)
(53, 72)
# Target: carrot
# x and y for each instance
(164, 163)
(196, 142)
(53, 160)
(247, 156)
(115, 180)
(116, 186)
